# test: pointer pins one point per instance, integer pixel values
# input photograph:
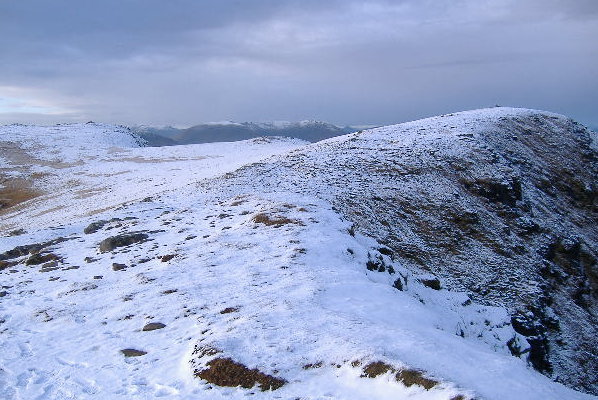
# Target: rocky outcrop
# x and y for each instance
(125, 239)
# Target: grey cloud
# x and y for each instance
(184, 62)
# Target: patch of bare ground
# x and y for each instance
(275, 221)
(406, 376)
(14, 192)
(227, 372)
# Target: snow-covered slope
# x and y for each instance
(501, 203)
(76, 170)
(283, 273)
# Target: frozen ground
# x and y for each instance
(268, 277)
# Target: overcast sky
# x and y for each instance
(183, 62)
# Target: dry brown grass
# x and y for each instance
(376, 368)
(15, 193)
(406, 376)
(226, 372)
(265, 219)
(410, 377)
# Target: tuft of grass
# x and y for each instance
(410, 377)
(265, 219)
(406, 376)
(376, 368)
(226, 372)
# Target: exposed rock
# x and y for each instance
(118, 267)
(96, 226)
(125, 239)
(507, 191)
(24, 250)
(133, 352)
(167, 257)
(152, 326)
(49, 267)
(40, 258)
(432, 283)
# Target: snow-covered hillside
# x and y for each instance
(186, 276)
(77, 170)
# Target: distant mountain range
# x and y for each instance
(311, 131)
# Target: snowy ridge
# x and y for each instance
(268, 253)
(477, 199)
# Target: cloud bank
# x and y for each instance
(350, 62)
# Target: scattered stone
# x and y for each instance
(3, 293)
(39, 258)
(398, 284)
(167, 257)
(432, 283)
(96, 226)
(125, 239)
(170, 291)
(17, 232)
(152, 326)
(386, 251)
(27, 249)
(90, 259)
(51, 266)
(315, 365)
(229, 310)
(118, 267)
(133, 352)
(506, 192)
(6, 264)
(98, 277)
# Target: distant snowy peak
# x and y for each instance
(311, 131)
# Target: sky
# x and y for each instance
(349, 62)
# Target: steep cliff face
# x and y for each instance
(501, 203)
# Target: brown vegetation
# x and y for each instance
(273, 221)
(226, 372)
(14, 193)
(406, 376)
